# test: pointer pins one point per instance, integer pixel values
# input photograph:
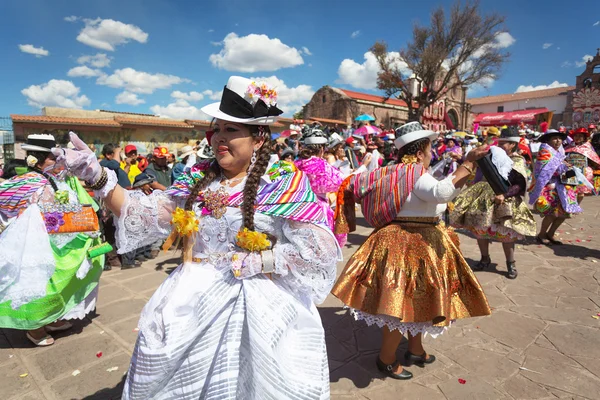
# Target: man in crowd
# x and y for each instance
(112, 158)
(349, 151)
(158, 168)
(130, 165)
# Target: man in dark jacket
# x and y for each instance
(158, 168)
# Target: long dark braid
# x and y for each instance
(260, 167)
(213, 171)
(252, 181)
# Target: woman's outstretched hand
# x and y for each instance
(478, 153)
(81, 161)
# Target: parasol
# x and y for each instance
(367, 130)
(365, 117)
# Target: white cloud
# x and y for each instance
(191, 96)
(529, 88)
(211, 30)
(254, 53)
(355, 34)
(216, 44)
(583, 61)
(55, 92)
(128, 98)
(83, 71)
(504, 40)
(289, 99)
(105, 34)
(566, 64)
(139, 81)
(547, 45)
(596, 23)
(31, 49)
(180, 109)
(213, 95)
(364, 76)
(99, 60)
(71, 18)
(306, 51)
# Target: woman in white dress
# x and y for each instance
(237, 319)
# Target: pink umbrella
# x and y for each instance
(289, 132)
(367, 130)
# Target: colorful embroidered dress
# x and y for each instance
(207, 334)
(591, 170)
(475, 210)
(409, 274)
(45, 275)
(549, 195)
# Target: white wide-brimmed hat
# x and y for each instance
(411, 132)
(39, 142)
(186, 151)
(247, 102)
(315, 136)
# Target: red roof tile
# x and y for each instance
(198, 122)
(43, 119)
(153, 122)
(534, 94)
(373, 98)
(328, 121)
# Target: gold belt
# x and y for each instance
(417, 220)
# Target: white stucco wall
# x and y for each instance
(557, 104)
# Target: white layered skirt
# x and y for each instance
(206, 335)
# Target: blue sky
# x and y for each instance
(173, 57)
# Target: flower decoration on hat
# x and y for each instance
(262, 92)
(32, 161)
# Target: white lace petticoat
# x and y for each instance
(414, 328)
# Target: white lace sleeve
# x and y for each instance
(144, 219)
(431, 190)
(309, 255)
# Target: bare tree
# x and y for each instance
(459, 51)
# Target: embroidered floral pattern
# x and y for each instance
(53, 220)
(262, 92)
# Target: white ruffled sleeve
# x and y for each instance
(431, 190)
(306, 260)
(144, 219)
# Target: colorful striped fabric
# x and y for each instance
(382, 193)
(289, 195)
(16, 192)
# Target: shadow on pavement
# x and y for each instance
(17, 339)
(492, 269)
(171, 263)
(108, 393)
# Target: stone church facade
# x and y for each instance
(450, 112)
(583, 103)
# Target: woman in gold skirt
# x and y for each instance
(505, 218)
(409, 277)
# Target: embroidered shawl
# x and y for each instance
(16, 192)
(287, 194)
(549, 165)
(381, 193)
(585, 149)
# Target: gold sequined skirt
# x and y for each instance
(413, 271)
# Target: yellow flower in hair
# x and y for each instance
(185, 222)
(252, 240)
(409, 159)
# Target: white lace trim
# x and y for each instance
(502, 161)
(144, 219)
(60, 240)
(85, 307)
(426, 328)
(110, 185)
(311, 256)
(27, 261)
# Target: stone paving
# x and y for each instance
(541, 341)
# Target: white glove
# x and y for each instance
(245, 265)
(82, 161)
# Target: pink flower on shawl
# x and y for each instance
(323, 177)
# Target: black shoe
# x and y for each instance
(512, 271)
(420, 361)
(484, 263)
(140, 258)
(389, 370)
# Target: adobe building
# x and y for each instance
(451, 112)
(583, 106)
